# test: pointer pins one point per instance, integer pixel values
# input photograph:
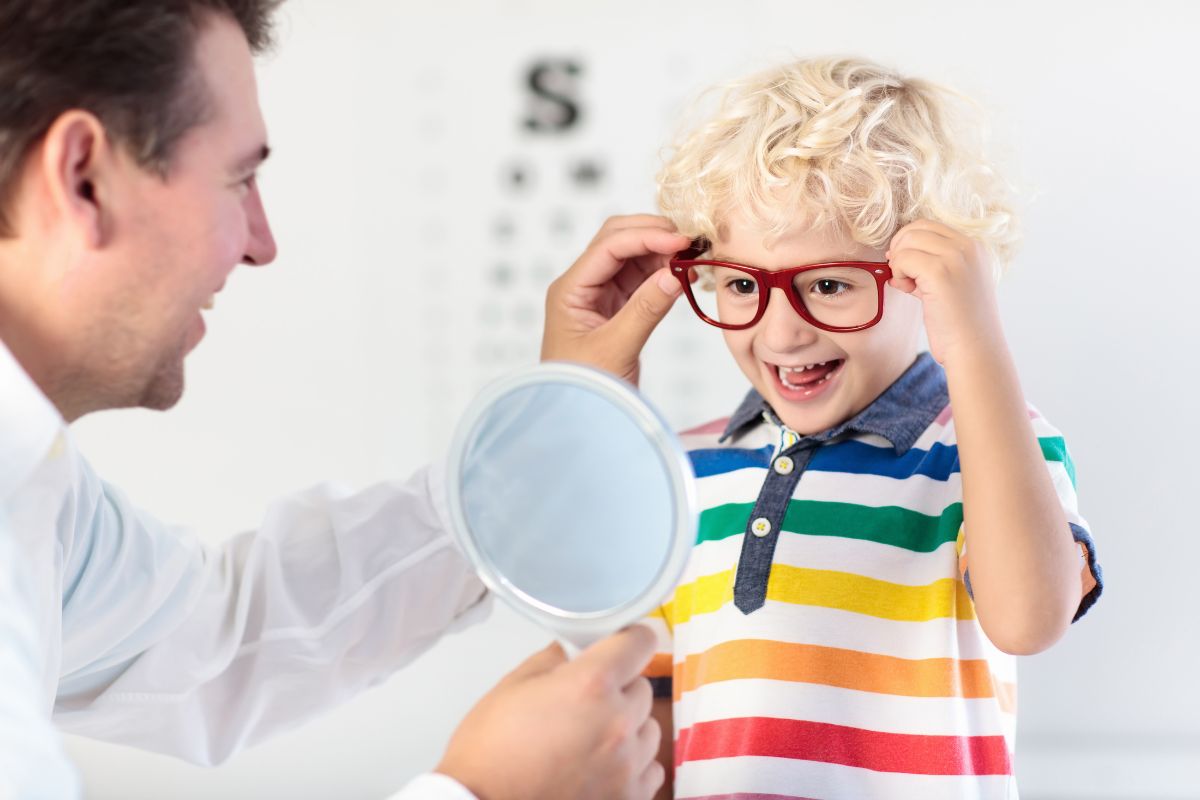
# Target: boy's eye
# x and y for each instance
(743, 286)
(828, 286)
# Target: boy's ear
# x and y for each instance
(76, 155)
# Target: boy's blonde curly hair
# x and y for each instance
(841, 143)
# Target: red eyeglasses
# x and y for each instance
(838, 296)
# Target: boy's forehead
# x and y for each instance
(740, 240)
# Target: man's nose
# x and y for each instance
(781, 328)
(260, 246)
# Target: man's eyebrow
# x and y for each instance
(253, 160)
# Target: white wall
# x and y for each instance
(396, 296)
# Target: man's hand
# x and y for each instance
(559, 730)
(602, 310)
(951, 275)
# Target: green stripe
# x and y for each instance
(892, 525)
(1054, 448)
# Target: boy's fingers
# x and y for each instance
(605, 257)
(632, 325)
(621, 657)
(927, 228)
(933, 227)
(621, 221)
(926, 241)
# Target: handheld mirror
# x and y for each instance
(572, 498)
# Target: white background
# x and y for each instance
(398, 294)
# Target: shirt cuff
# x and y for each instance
(433, 786)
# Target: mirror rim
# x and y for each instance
(580, 627)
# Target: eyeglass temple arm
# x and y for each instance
(694, 250)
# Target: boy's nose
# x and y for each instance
(781, 328)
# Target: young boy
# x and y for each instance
(882, 528)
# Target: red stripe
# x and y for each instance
(838, 744)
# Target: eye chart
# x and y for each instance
(506, 174)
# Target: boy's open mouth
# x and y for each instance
(807, 377)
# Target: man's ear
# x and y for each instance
(77, 155)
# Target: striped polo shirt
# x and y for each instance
(822, 642)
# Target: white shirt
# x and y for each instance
(116, 626)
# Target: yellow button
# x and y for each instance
(784, 465)
(760, 527)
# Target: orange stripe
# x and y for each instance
(660, 666)
(830, 666)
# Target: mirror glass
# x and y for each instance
(573, 498)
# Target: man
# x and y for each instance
(130, 135)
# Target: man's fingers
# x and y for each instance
(542, 661)
(651, 779)
(621, 657)
(649, 735)
(639, 698)
(605, 257)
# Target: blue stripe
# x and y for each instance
(718, 461)
(939, 462)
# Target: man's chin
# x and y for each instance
(165, 389)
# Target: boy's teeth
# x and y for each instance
(208, 304)
(784, 372)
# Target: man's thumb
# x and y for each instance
(540, 662)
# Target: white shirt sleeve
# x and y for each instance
(433, 786)
(32, 763)
(197, 652)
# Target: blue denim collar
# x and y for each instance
(900, 415)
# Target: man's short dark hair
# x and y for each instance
(129, 62)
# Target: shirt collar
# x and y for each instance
(29, 424)
(900, 415)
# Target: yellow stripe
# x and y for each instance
(841, 590)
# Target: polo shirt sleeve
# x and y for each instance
(661, 666)
(1062, 473)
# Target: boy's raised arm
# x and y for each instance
(602, 310)
(1024, 563)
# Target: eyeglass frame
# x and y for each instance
(684, 261)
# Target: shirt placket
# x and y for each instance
(762, 531)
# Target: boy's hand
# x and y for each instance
(602, 310)
(951, 275)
